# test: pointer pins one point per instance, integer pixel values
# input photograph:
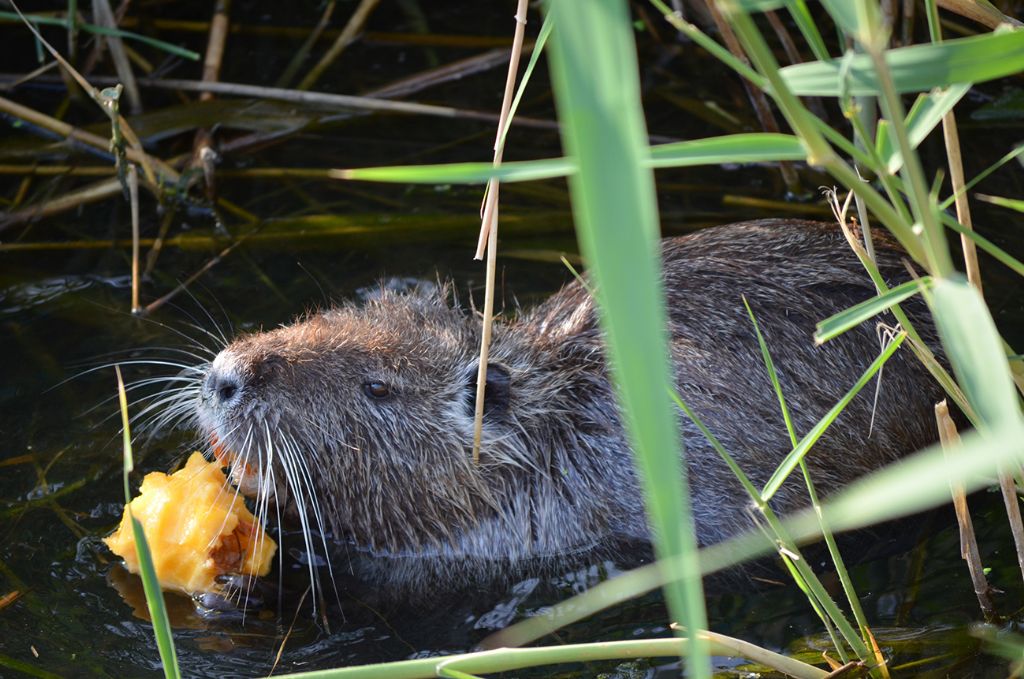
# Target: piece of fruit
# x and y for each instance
(197, 527)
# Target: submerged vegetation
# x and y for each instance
(842, 107)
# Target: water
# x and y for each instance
(63, 313)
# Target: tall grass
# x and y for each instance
(611, 199)
(609, 164)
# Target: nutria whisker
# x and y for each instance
(129, 388)
(293, 458)
(221, 339)
(169, 406)
(106, 365)
(299, 505)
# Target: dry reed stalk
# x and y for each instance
(348, 35)
(951, 137)
(442, 74)
(28, 77)
(156, 304)
(203, 154)
(907, 35)
(489, 227)
(158, 243)
(59, 127)
(950, 439)
(90, 194)
(301, 54)
(133, 194)
(23, 187)
(57, 170)
(793, 54)
(1009, 489)
(758, 99)
(219, 27)
(963, 210)
(881, 664)
(298, 33)
(982, 12)
(120, 125)
(362, 103)
(9, 598)
(104, 16)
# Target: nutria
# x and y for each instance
(360, 419)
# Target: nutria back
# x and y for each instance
(359, 420)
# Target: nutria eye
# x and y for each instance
(376, 389)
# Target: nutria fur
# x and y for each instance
(367, 412)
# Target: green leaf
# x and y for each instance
(984, 244)
(801, 449)
(760, 5)
(150, 584)
(733, 148)
(805, 22)
(924, 116)
(975, 349)
(597, 94)
(462, 173)
(1011, 203)
(837, 324)
(103, 30)
(916, 68)
(919, 482)
(844, 13)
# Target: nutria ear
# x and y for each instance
(496, 393)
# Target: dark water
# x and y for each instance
(64, 312)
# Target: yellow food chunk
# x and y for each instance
(197, 528)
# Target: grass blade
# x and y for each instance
(753, 147)
(924, 116)
(801, 449)
(598, 99)
(734, 148)
(837, 324)
(917, 68)
(976, 352)
(154, 596)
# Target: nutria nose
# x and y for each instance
(222, 386)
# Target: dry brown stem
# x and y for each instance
(757, 98)
(489, 227)
(348, 35)
(202, 151)
(442, 74)
(983, 13)
(968, 543)
(105, 17)
(156, 304)
(1009, 489)
(362, 103)
(59, 127)
(301, 54)
(133, 195)
(90, 194)
(116, 119)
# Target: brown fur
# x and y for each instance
(393, 476)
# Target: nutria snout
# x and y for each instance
(359, 420)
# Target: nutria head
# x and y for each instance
(359, 420)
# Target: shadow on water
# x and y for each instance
(65, 311)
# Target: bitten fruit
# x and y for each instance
(197, 527)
